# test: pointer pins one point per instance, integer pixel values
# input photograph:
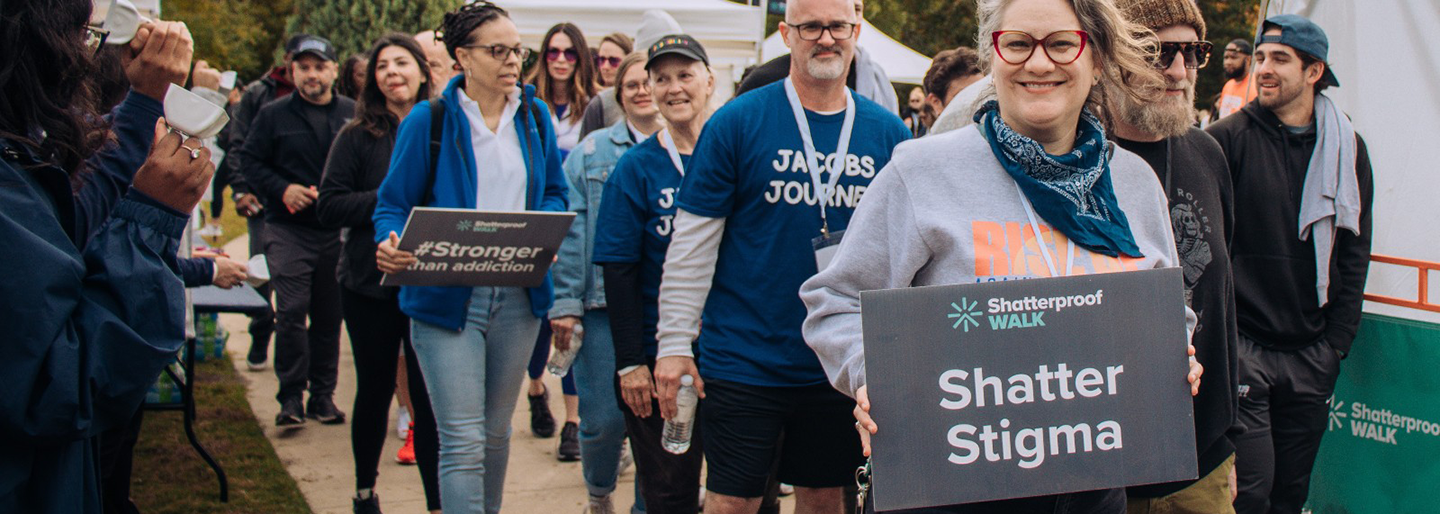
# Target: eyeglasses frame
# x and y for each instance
(831, 28)
(1039, 43)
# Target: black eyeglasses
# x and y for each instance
(613, 62)
(95, 38)
(1197, 54)
(839, 30)
(500, 52)
(1061, 46)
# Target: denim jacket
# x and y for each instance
(578, 283)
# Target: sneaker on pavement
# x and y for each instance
(786, 489)
(291, 415)
(406, 455)
(323, 409)
(403, 423)
(542, 424)
(255, 366)
(569, 443)
(600, 505)
(369, 505)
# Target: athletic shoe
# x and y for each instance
(569, 443)
(403, 423)
(323, 409)
(542, 424)
(291, 415)
(369, 505)
(255, 366)
(406, 455)
(626, 460)
(786, 489)
(600, 505)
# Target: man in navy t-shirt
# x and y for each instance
(749, 210)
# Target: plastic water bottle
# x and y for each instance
(676, 438)
(560, 360)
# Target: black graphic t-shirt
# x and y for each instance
(1197, 182)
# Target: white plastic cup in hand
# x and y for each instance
(676, 437)
(191, 115)
(123, 20)
(259, 271)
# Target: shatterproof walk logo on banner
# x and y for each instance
(1378, 424)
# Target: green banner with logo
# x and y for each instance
(1381, 453)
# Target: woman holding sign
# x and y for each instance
(397, 76)
(967, 206)
(631, 237)
(496, 152)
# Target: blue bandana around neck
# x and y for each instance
(1071, 192)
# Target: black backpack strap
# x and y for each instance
(437, 127)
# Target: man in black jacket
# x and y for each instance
(1294, 329)
(273, 86)
(283, 159)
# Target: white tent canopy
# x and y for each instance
(729, 31)
(902, 64)
(1384, 93)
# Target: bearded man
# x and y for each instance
(1191, 167)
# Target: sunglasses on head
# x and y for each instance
(554, 54)
(613, 62)
(1197, 54)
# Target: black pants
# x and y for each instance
(1103, 501)
(302, 270)
(117, 456)
(670, 483)
(1285, 404)
(378, 332)
(262, 326)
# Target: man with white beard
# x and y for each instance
(775, 175)
(1192, 168)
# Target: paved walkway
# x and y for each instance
(319, 456)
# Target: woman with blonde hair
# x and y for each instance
(1035, 168)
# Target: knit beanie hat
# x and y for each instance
(1158, 14)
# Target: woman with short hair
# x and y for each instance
(1036, 168)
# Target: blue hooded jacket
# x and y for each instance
(455, 187)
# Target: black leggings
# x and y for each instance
(377, 328)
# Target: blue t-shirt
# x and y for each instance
(749, 168)
(634, 223)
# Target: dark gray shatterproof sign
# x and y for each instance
(1026, 388)
(461, 247)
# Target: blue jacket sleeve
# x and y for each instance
(113, 168)
(404, 186)
(196, 271)
(568, 273)
(90, 332)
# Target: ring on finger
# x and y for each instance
(194, 152)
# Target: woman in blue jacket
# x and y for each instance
(497, 153)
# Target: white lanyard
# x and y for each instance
(669, 145)
(1044, 251)
(842, 149)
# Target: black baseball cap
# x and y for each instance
(294, 42)
(1301, 34)
(1242, 45)
(315, 45)
(677, 44)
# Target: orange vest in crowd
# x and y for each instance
(1235, 94)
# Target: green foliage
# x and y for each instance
(240, 35)
(352, 25)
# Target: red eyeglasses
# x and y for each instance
(1061, 46)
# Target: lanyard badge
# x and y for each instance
(829, 242)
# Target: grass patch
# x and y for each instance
(170, 477)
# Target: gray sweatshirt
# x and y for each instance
(944, 212)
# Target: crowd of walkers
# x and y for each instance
(719, 246)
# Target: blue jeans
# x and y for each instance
(474, 379)
(602, 425)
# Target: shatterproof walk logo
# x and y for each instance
(1028, 312)
(1379, 425)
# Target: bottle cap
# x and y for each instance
(687, 380)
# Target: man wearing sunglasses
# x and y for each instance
(865, 76)
(1191, 168)
(1301, 251)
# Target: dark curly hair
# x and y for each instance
(458, 26)
(47, 99)
(949, 65)
(372, 113)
